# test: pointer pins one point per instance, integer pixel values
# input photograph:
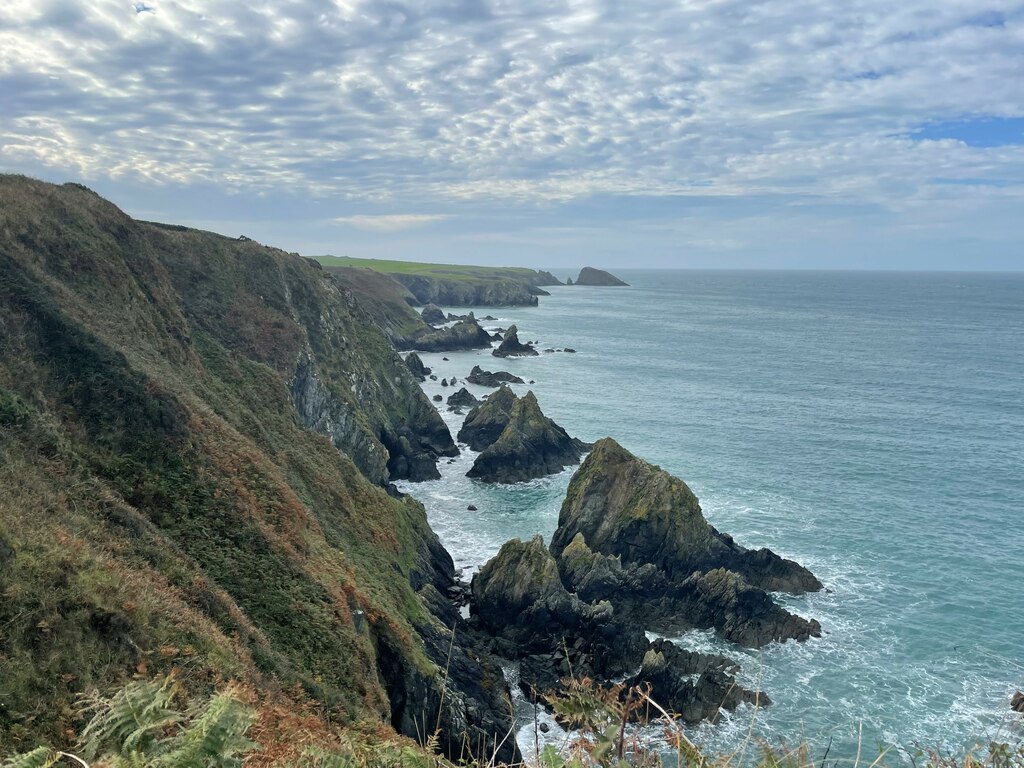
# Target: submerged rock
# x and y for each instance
(416, 367)
(487, 421)
(512, 347)
(591, 276)
(483, 378)
(531, 445)
(462, 399)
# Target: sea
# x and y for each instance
(869, 425)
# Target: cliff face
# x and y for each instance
(193, 432)
(469, 292)
(385, 303)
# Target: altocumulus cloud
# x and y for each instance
(872, 105)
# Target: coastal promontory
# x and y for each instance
(598, 277)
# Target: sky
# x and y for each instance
(821, 134)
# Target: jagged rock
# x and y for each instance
(483, 378)
(433, 315)
(462, 399)
(416, 367)
(545, 278)
(668, 669)
(570, 350)
(531, 445)
(465, 334)
(512, 347)
(487, 421)
(568, 281)
(1017, 702)
(519, 599)
(591, 276)
(624, 506)
(444, 382)
(438, 398)
(471, 508)
(631, 533)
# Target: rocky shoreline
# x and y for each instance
(632, 553)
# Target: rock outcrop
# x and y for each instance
(433, 315)
(416, 367)
(487, 421)
(465, 334)
(631, 533)
(483, 378)
(518, 598)
(591, 276)
(531, 445)
(462, 399)
(512, 347)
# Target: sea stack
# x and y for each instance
(530, 445)
(591, 276)
(512, 347)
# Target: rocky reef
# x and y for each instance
(530, 445)
(519, 600)
(512, 347)
(592, 276)
(483, 378)
(465, 334)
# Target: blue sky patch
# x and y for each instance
(978, 132)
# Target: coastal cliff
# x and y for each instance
(197, 436)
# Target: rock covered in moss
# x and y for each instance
(512, 347)
(592, 276)
(487, 421)
(626, 507)
(519, 598)
(631, 533)
(483, 378)
(416, 367)
(531, 445)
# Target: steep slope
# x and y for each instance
(166, 501)
(385, 302)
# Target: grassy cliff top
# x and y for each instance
(445, 271)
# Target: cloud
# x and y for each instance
(391, 222)
(520, 102)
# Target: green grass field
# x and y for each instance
(445, 271)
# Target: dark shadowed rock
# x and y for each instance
(1017, 702)
(438, 398)
(591, 276)
(433, 315)
(512, 347)
(483, 378)
(465, 334)
(462, 399)
(670, 670)
(519, 598)
(487, 421)
(416, 367)
(531, 445)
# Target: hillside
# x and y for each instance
(454, 284)
(196, 437)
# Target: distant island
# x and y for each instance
(591, 276)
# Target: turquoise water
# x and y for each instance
(868, 425)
